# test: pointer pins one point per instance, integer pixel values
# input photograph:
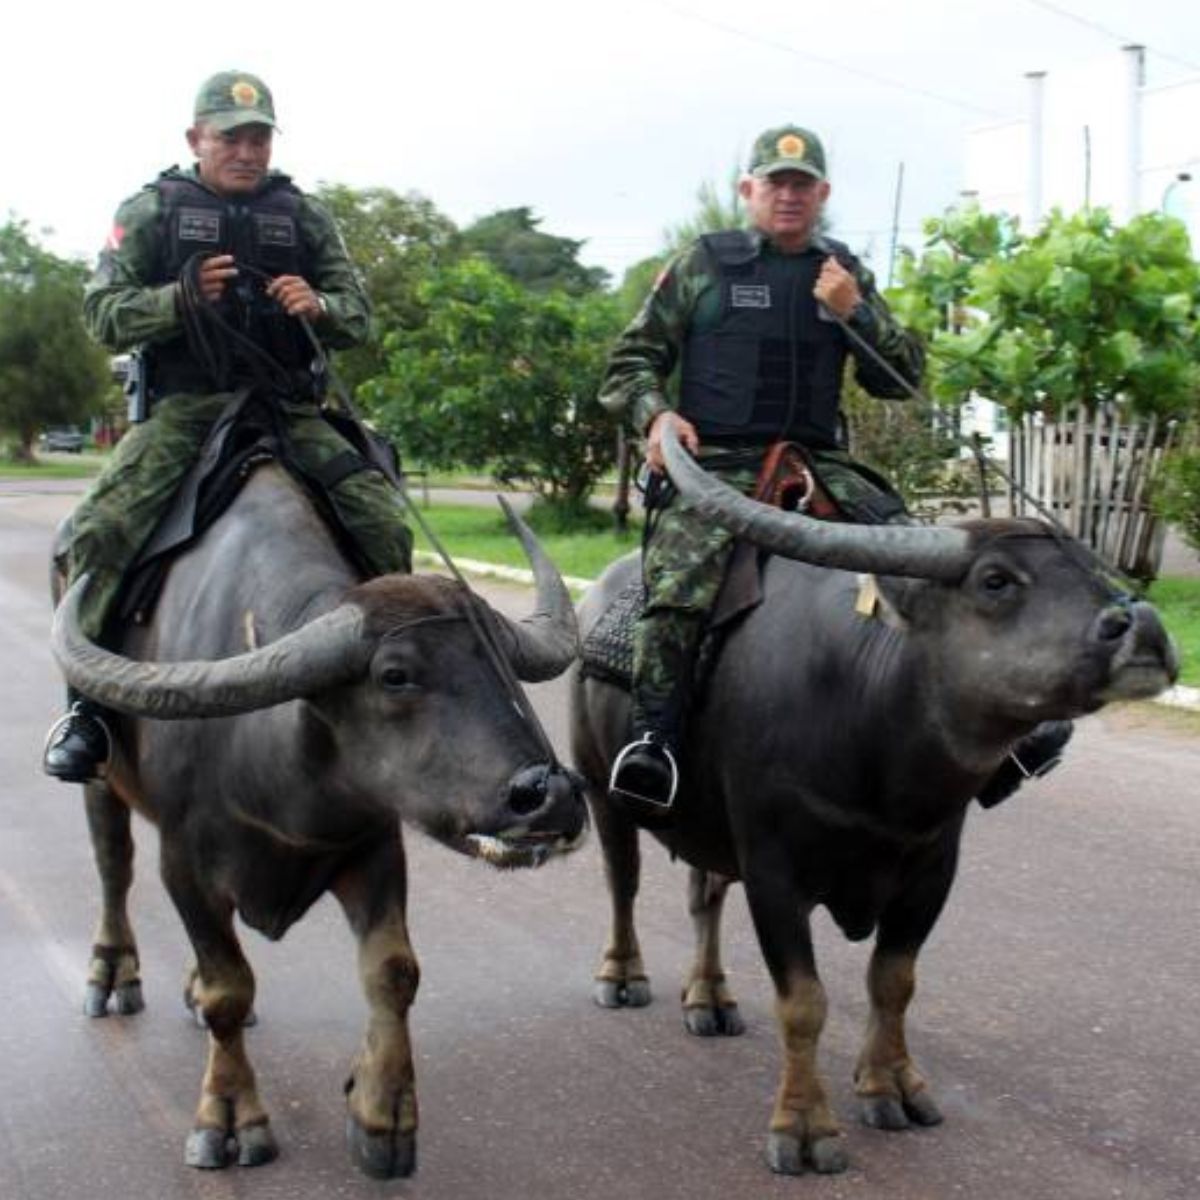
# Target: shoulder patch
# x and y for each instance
(116, 236)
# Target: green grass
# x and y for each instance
(1178, 602)
(53, 466)
(468, 531)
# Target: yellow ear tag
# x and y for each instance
(868, 596)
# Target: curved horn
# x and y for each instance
(323, 653)
(923, 552)
(544, 644)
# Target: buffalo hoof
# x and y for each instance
(884, 1112)
(619, 993)
(922, 1109)
(256, 1145)
(893, 1113)
(127, 999)
(721, 1021)
(208, 1149)
(786, 1155)
(95, 1000)
(389, 1155)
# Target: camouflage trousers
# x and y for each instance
(683, 567)
(122, 509)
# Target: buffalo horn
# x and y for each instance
(544, 644)
(924, 552)
(325, 652)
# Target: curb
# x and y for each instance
(1179, 696)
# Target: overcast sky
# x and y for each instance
(603, 116)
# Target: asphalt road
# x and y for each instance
(1056, 1012)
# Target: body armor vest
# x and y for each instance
(772, 365)
(262, 232)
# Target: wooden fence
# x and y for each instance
(1094, 472)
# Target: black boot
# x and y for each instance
(645, 779)
(78, 744)
(1035, 755)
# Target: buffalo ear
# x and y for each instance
(898, 598)
(317, 739)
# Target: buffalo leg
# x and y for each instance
(893, 1092)
(381, 1093)
(231, 1123)
(113, 972)
(803, 1130)
(709, 1007)
(621, 980)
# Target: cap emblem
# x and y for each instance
(245, 95)
(790, 146)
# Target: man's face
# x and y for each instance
(785, 205)
(232, 163)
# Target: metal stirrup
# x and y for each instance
(645, 740)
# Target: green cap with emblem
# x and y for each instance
(232, 98)
(788, 148)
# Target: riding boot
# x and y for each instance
(79, 744)
(1035, 755)
(645, 774)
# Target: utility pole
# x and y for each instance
(895, 222)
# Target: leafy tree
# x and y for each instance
(1082, 312)
(512, 242)
(51, 372)
(395, 241)
(716, 209)
(504, 379)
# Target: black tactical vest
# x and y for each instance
(262, 232)
(772, 365)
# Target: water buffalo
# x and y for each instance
(844, 730)
(281, 718)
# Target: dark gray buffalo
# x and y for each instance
(332, 709)
(834, 752)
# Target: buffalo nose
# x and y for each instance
(1114, 623)
(533, 788)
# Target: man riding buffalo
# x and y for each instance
(212, 274)
(759, 322)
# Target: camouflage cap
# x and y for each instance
(788, 148)
(233, 98)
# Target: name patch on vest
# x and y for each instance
(197, 225)
(750, 295)
(275, 231)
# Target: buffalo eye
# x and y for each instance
(996, 582)
(395, 679)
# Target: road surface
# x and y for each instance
(1056, 1012)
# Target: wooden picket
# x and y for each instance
(1095, 472)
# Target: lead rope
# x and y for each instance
(495, 653)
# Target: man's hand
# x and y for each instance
(684, 430)
(837, 289)
(214, 274)
(296, 296)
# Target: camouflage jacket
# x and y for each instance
(123, 311)
(686, 298)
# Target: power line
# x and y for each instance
(1066, 14)
(832, 63)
